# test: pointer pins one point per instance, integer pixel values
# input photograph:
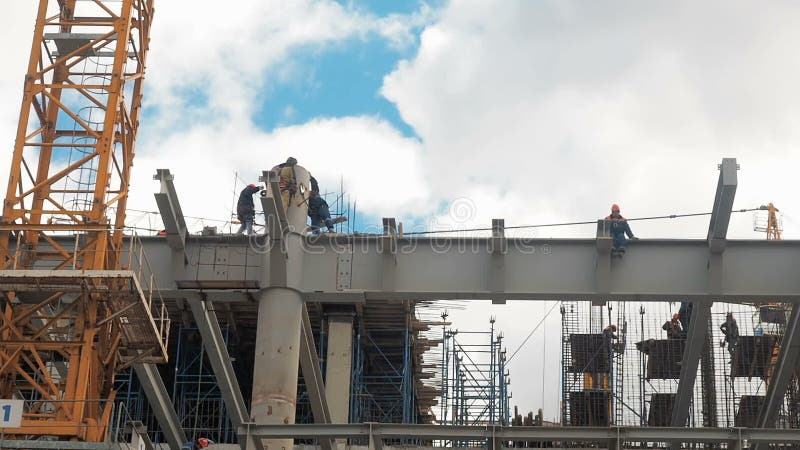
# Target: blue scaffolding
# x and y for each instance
(474, 378)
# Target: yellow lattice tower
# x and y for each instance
(773, 224)
(74, 311)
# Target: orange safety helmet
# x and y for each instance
(202, 442)
(615, 208)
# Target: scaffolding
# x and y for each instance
(633, 380)
(196, 395)
(474, 379)
(392, 370)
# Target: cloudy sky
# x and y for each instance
(533, 111)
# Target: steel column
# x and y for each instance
(338, 366)
(277, 356)
(280, 308)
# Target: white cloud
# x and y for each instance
(574, 105)
(228, 53)
(204, 160)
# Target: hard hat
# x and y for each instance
(202, 442)
(615, 207)
(675, 316)
(251, 185)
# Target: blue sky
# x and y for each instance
(336, 81)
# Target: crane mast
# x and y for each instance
(75, 307)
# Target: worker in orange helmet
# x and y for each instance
(619, 229)
(203, 442)
(673, 328)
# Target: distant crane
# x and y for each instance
(771, 224)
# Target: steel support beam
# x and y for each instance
(338, 375)
(695, 339)
(206, 319)
(534, 269)
(170, 208)
(505, 434)
(159, 400)
(723, 199)
(309, 363)
(701, 313)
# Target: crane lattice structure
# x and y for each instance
(74, 315)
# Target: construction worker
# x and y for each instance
(673, 328)
(246, 209)
(619, 228)
(319, 212)
(287, 181)
(609, 335)
(731, 331)
(203, 443)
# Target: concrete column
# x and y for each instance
(277, 357)
(338, 366)
(280, 312)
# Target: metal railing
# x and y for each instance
(144, 273)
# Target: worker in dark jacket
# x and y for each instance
(673, 328)
(619, 229)
(319, 212)
(731, 331)
(246, 210)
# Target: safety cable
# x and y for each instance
(562, 224)
(532, 331)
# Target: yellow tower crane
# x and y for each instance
(771, 225)
(76, 302)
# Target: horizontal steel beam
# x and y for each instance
(465, 268)
(450, 432)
